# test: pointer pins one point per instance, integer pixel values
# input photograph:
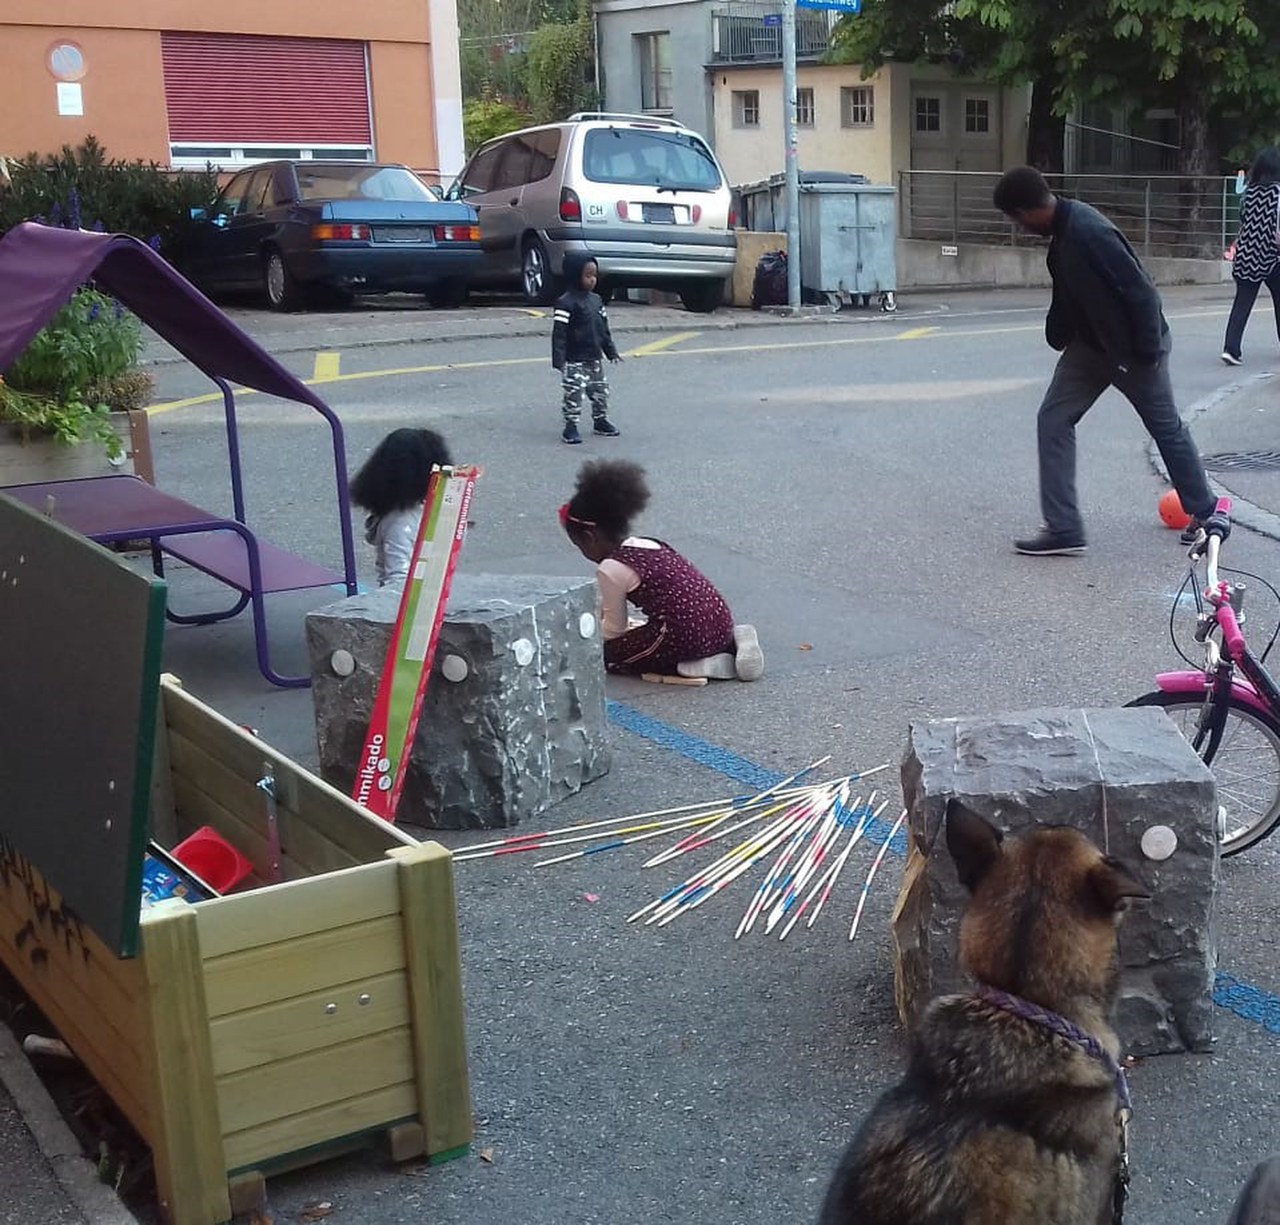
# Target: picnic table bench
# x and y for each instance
(118, 508)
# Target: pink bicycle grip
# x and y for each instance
(1223, 507)
(1231, 634)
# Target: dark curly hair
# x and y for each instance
(610, 493)
(1020, 190)
(395, 475)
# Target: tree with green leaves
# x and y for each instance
(561, 67)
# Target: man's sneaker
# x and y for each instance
(713, 667)
(570, 434)
(1232, 359)
(749, 659)
(1191, 533)
(602, 425)
(1051, 544)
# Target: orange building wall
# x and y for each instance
(123, 92)
(403, 120)
(123, 87)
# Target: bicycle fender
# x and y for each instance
(1194, 682)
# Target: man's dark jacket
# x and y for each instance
(580, 332)
(1102, 295)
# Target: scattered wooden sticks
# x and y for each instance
(807, 832)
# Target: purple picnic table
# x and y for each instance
(40, 269)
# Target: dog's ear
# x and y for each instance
(1114, 885)
(974, 844)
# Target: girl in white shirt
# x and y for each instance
(392, 486)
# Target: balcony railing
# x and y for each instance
(749, 33)
(1163, 215)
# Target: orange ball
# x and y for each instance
(1171, 511)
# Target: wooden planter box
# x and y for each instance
(318, 1006)
(258, 1031)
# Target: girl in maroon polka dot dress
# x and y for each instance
(689, 630)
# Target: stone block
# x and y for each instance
(514, 715)
(1116, 775)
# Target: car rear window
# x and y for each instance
(360, 182)
(678, 160)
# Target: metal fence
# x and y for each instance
(1163, 215)
(753, 32)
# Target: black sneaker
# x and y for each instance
(1191, 533)
(570, 434)
(602, 425)
(1051, 544)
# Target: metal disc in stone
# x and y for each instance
(586, 625)
(522, 649)
(454, 668)
(1159, 842)
(342, 662)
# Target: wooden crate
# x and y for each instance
(264, 1029)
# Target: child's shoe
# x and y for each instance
(602, 425)
(570, 433)
(713, 667)
(749, 660)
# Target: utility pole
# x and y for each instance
(792, 163)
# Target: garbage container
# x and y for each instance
(847, 233)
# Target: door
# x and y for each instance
(475, 185)
(248, 229)
(211, 267)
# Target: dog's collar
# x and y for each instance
(1067, 1029)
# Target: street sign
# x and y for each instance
(772, 19)
(835, 6)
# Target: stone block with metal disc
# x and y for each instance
(514, 715)
(1129, 780)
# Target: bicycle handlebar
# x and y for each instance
(1217, 527)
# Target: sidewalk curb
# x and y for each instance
(541, 328)
(74, 1172)
(1243, 512)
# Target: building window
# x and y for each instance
(746, 108)
(804, 108)
(655, 71)
(857, 106)
(928, 114)
(977, 115)
(197, 156)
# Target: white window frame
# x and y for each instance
(805, 114)
(854, 98)
(231, 155)
(742, 109)
(916, 129)
(655, 79)
(977, 100)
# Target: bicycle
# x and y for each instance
(1229, 708)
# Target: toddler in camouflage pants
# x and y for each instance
(580, 339)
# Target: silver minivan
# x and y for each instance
(645, 196)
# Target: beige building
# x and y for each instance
(905, 117)
(180, 82)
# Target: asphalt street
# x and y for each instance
(853, 486)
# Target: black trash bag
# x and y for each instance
(769, 288)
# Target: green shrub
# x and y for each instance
(486, 118)
(83, 188)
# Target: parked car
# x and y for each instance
(301, 230)
(645, 196)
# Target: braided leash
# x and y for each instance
(1059, 1025)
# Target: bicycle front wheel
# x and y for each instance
(1245, 761)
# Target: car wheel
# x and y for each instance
(284, 293)
(536, 279)
(702, 297)
(448, 295)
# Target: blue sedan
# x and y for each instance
(304, 231)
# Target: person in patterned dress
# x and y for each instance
(689, 630)
(1256, 261)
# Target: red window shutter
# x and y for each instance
(233, 87)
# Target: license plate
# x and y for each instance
(664, 214)
(404, 233)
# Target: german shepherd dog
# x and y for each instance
(1000, 1120)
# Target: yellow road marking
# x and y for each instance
(657, 346)
(706, 350)
(328, 366)
(917, 333)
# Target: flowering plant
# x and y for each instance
(74, 372)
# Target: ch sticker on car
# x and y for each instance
(595, 210)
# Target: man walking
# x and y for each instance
(1107, 322)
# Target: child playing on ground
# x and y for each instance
(579, 339)
(690, 630)
(392, 486)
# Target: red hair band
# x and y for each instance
(566, 518)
